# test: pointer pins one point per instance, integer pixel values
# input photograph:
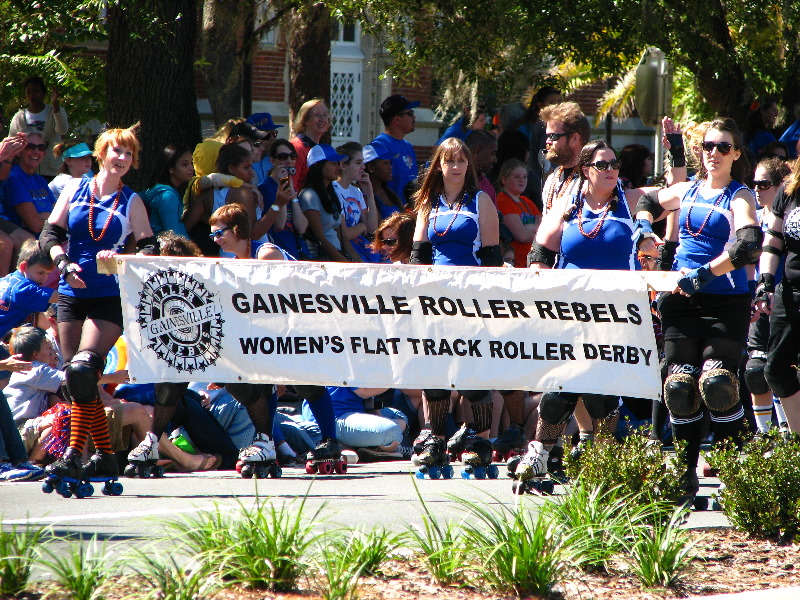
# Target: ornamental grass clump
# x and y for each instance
(18, 550)
(82, 572)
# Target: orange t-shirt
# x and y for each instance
(528, 213)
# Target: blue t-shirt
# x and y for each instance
(345, 400)
(404, 163)
(19, 297)
(22, 188)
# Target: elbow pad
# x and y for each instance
(649, 203)
(52, 235)
(666, 255)
(747, 248)
(490, 256)
(421, 253)
(541, 254)
(149, 246)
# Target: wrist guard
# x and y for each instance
(666, 255)
(642, 229)
(541, 254)
(490, 256)
(149, 246)
(421, 253)
(696, 279)
(765, 285)
(677, 154)
(64, 265)
(51, 235)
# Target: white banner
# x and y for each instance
(388, 326)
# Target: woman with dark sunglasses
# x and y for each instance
(590, 229)
(706, 317)
(28, 200)
(769, 175)
(394, 237)
(782, 299)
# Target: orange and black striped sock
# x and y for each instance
(80, 425)
(99, 428)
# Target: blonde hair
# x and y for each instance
(221, 134)
(432, 186)
(302, 116)
(792, 181)
(694, 133)
(118, 137)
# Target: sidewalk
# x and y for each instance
(791, 593)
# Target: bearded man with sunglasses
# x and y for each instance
(567, 130)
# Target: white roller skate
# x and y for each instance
(531, 473)
(143, 460)
(259, 459)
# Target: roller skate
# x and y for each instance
(458, 443)
(143, 460)
(416, 446)
(326, 458)
(432, 460)
(689, 486)
(583, 443)
(477, 457)
(68, 477)
(555, 465)
(259, 459)
(509, 443)
(530, 476)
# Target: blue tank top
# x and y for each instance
(455, 233)
(709, 232)
(611, 248)
(83, 248)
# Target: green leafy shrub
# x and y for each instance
(82, 572)
(634, 467)
(761, 495)
(165, 579)
(18, 550)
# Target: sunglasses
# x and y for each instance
(409, 113)
(606, 165)
(722, 147)
(215, 235)
(256, 144)
(763, 185)
(271, 135)
(286, 155)
(553, 137)
(40, 147)
(390, 241)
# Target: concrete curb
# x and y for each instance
(791, 593)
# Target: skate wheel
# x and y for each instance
(106, 489)
(419, 473)
(275, 472)
(700, 503)
(715, 504)
(158, 471)
(547, 487)
(465, 474)
(63, 489)
(83, 490)
(325, 468)
(447, 472)
(497, 456)
(517, 488)
(709, 472)
(130, 470)
(340, 467)
(239, 467)
(480, 472)
(47, 487)
(246, 471)
(433, 472)
(493, 472)
(311, 468)
(144, 471)
(261, 472)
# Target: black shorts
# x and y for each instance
(706, 316)
(106, 308)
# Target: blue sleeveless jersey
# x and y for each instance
(455, 244)
(256, 245)
(83, 249)
(717, 235)
(612, 248)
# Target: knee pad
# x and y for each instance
(754, 375)
(169, 394)
(82, 374)
(557, 407)
(681, 394)
(245, 394)
(312, 393)
(719, 389)
(477, 396)
(599, 406)
(436, 395)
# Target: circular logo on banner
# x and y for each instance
(181, 320)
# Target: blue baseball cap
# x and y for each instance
(376, 150)
(77, 151)
(262, 121)
(323, 152)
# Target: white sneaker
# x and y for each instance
(261, 450)
(146, 450)
(534, 463)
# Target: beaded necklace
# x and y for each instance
(596, 231)
(697, 233)
(453, 220)
(563, 186)
(110, 213)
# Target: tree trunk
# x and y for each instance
(309, 55)
(150, 76)
(222, 58)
